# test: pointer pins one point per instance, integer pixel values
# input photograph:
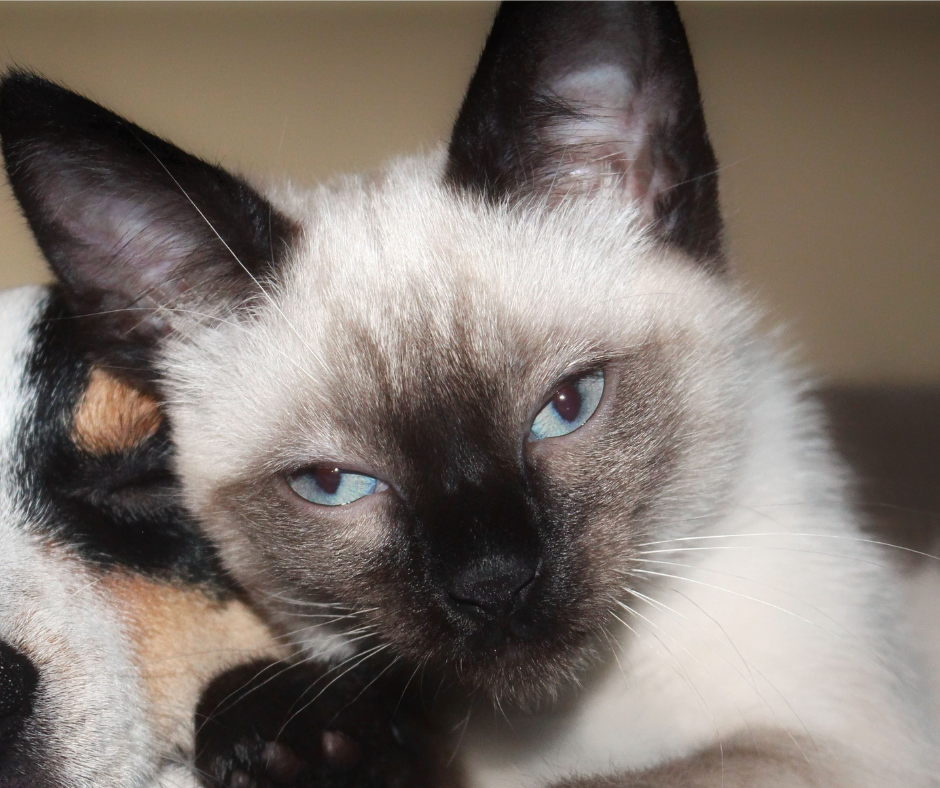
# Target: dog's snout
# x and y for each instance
(18, 679)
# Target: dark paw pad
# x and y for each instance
(266, 726)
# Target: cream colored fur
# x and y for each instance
(769, 611)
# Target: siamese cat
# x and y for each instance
(503, 412)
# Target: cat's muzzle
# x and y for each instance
(494, 589)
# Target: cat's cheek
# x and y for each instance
(354, 531)
(271, 539)
(607, 476)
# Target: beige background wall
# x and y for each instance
(826, 119)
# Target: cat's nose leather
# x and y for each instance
(492, 585)
(18, 679)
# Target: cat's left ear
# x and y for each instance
(578, 97)
(137, 231)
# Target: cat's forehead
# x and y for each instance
(402, 296)
(410, 263)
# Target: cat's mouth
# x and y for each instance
(520, 660)
(524, 672)
(520, 654)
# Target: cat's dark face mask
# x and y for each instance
(500, 531)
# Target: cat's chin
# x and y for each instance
(527, 681)
(516, 671)
(525, 675)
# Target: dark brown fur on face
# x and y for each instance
(468, 486)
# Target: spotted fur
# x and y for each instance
(81, 720)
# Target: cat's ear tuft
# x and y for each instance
(133, 227)
(578, 97)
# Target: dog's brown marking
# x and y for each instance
(113, 416)
(183, 639)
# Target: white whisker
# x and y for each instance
(838, 537)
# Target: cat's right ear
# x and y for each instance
(576, 98)
(135, 229)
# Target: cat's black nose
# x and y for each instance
(18, 679)
(494, 585)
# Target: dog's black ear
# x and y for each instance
(576, 97)
(133, 227)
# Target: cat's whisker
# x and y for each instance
(325, 618)
(311, 602)
(742, 578)
(691, 685)
(751, 669)
(287, 663)
(724, 590)
(839, 630)
(338, 613)
(462, 726)
(280, 666)
(201, 653)
(633, 611)
(794, 535)
(293, 636)
(372, 681)
(675, 664)
(498, 702)
(362, 658)
(333, 644)
(404, 691)
(750, 679)
(758, 547)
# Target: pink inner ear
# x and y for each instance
(608, 144)
(145, 250)
(603, 85)
(128, 243)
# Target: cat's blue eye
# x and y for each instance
(572, 405)
(333, 486)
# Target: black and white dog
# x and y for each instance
(115, 617)
(82, 485)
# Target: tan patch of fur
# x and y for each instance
(113, 416)
(183, 639)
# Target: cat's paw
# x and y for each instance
(264, 725)
(251, 762)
